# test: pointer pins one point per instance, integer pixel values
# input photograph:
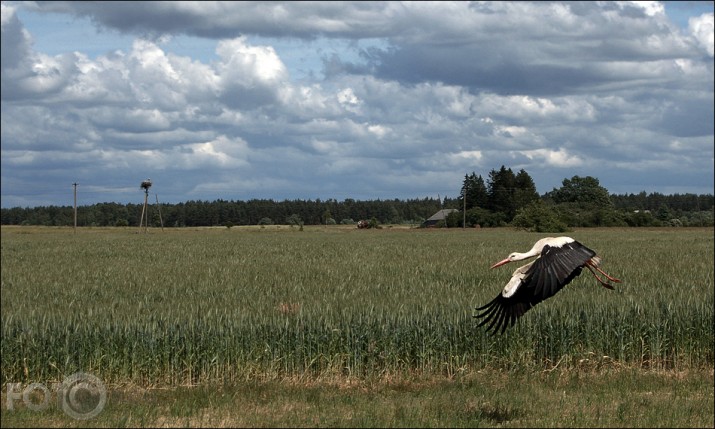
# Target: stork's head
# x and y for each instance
(516, 256)
(511, 258)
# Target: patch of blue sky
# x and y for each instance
(305, 58)
(681, 11)
(55, 34)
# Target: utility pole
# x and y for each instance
(159, 207)
(75, 206)
(444, 221)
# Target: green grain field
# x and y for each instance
(181, 308)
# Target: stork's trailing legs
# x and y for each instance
(607, 285)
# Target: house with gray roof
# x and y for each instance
(432, 221)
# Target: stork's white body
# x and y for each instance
(516, 280)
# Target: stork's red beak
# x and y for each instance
(500, 263)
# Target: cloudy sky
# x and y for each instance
(364, 100)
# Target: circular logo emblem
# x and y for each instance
(83, 396)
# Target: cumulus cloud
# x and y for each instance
(702, 30)
(556, 158)
(249, 75)
(24, 72)
(16, 41)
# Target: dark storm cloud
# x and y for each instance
(220, 20)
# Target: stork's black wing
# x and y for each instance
(554, 269)
(502, 312)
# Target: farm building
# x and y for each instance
(435, 218)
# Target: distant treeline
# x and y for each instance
(504, 198)
(222, 212)
(654, 209)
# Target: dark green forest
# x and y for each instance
(504, 198)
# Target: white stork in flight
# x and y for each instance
(559, 260)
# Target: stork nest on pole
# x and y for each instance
(146, 184)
